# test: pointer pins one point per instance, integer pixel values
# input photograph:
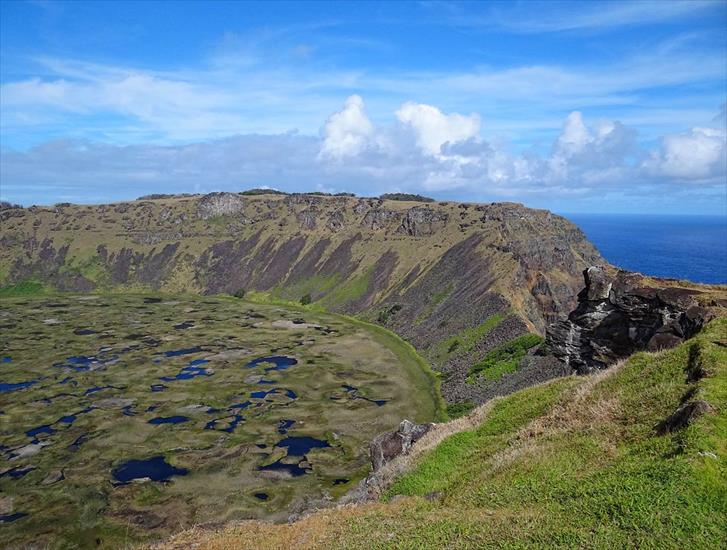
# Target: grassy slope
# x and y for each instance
(573, 463)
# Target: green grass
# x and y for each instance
(446, 463)
(268, 298)
(427, 383)
(597, 477)
(315, 286)
(419, 370)
(23, 288)
(329, 291)
(91, 268)
(464, 341)
(348, 291)
(505, 358)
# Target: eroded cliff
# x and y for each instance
(455, 279)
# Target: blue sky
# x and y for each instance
(576, 107)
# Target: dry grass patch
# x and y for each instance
(309, 532)
(577, 411)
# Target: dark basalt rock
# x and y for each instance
(622, 314)
(387, 446)
(361, 206)
(336, 221)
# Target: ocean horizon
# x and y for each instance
(689, 247)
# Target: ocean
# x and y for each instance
(681, 247)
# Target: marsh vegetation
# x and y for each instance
(126, 418)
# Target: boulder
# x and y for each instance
(599, 284)
(361, 206)
(336, 221)
(307, 218)
(53, 477)
(387, 446)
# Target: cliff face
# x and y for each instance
(621, 313)
(430, 271)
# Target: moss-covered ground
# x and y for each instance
(99, 368)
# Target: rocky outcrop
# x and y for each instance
(220, 204)
(307, 218)
(336, 221)
(387, 446)
(421, 220)
(361, 206)
(378, 218)
(5, 205)
(620, 314)
(296, 199)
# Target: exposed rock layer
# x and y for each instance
(619, 314)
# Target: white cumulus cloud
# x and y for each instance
(423, 149)
(574, 137)
(698, 154)
(347, 132)
(433, 128)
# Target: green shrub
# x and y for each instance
(305, 300)
(405, 197)
(386, 313)
(505, 358)
(240, 293)
(461, 408)
(467, 339)
(260, 191)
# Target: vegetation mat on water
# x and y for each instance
(129, 417)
